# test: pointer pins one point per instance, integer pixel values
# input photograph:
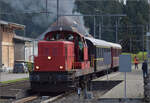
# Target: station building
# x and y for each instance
(12, 47)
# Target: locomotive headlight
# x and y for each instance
(61, 67)
(37, 67)
(49, 57)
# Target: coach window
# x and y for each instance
(102, 52)
(96, 52)
(113, 52)
(117, 52)
(99, 52)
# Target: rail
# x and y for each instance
(26, 99)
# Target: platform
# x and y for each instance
(11, 76)
(134, 84)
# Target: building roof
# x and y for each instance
(12, 25)
(21, 38)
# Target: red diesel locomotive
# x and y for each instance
(66, 58)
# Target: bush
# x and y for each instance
(30, 66)
(139, 55)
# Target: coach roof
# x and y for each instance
(115, 45)
(98, 42)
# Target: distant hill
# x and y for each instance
(33, 29)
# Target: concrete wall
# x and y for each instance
(0, 48)
(19, 51)
(7, 47)
(29, 52)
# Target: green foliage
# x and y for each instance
(133, 25)
(30, 66)
(13, 81)
(140, 55)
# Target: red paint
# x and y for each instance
(60, 52)
(82, 65)
(115, 57)
(85, 53)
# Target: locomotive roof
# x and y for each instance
(59, 41)
(98, 42)
(115, 45)
(60, 28)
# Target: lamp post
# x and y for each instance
(148, 48)
(147, 79)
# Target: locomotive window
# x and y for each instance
(48, 38)
(55, 51)
(69, 37)
(45, 51)
(57, 36)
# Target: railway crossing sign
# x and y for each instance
(125, 63)
(125, 66)
(107, 60)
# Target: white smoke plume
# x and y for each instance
(65, 7)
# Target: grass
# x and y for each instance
(13, 81)
(139, 55)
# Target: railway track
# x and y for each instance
(47, 99)
(14, 90)
(41, 99)
(13, 83)
(27, 99)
